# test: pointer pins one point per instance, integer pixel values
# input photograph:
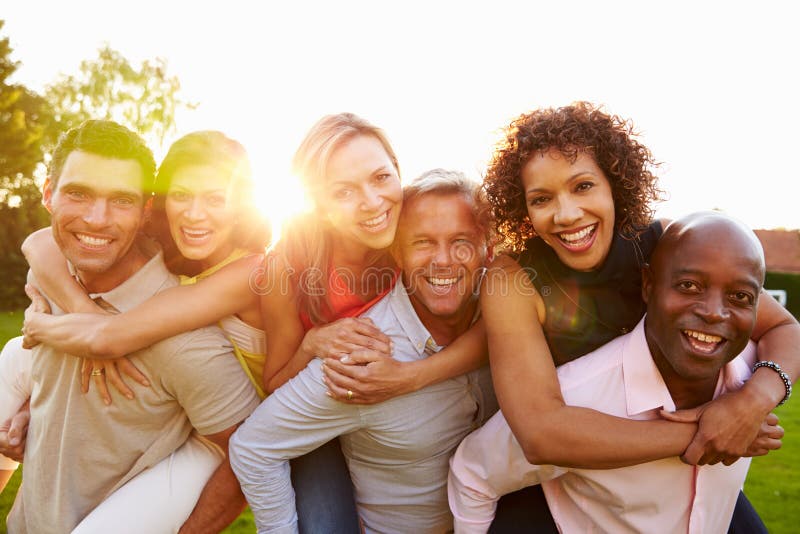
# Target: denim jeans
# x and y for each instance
(324, 492)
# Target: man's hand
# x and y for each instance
(728, 428)
(768, 439)
(13, 433)
(370, 375)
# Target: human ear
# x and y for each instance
(47, 194)
(647, 282)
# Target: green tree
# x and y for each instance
(25, 124)
(143, 98)
(109, 87)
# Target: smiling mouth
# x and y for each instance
(191, 235)
(578, 240)
(441, 284)
(376, 222)
(91, 241)
(702, 342)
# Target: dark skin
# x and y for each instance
(701, 290)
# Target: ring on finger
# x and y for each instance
(97, 372)
(349, 395)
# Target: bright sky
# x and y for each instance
(712, 86)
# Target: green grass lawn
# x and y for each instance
(773, 485)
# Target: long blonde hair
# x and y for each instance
(305, 243)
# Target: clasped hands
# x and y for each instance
(729, 427)
(357, 362)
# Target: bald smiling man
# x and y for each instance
(701, 289)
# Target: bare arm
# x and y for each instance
(777, 333)
(281, 319)
(526, 383)
(221, 500)
(50, 269)
(284, 338)
(168, 313)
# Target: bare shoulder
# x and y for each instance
(508, 293)
(504, 272)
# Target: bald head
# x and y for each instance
(714, 231)
(701, 289)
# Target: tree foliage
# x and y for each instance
(109, 87)
(143, 98)
(25, 124)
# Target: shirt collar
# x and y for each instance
(144, 283)
(407, 317)
(645, 388)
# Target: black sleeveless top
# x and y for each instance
(585, 310)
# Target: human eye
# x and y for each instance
(216, 200)
(76, 194)
(539, 200)
(343, 193)
(124, 201)
(382, 177)
(178, 196)
(688, 286)
(422, 242)
(584, 186)
(744, 298)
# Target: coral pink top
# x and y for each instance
(345, 303)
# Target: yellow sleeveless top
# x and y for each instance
(249, 343)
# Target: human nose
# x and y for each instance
(442, 256)
(713, 308)
(567, 212)
(97, 215)
(371, 199)
(195, 210)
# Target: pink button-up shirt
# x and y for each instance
(667, 495)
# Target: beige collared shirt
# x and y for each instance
(79, 450)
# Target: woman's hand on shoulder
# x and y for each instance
(101, 372)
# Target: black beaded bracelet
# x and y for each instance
(777, 368)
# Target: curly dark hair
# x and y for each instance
(580, 127)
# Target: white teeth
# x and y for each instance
(700, 336)
(577, 236)
(196, 234)
(92, 241)
(442, 281)
(376, 220)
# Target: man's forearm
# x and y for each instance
(220, 503)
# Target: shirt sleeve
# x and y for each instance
(207, 380)
(488, 464)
